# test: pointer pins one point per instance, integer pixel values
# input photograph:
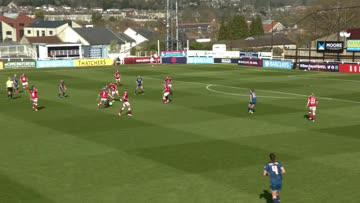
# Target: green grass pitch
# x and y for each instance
(203, 147)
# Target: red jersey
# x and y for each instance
(312, 101)
(104, 94)
(34, 94)
(167, 88)
(117, 75)
(23, 79)
(125, 97)
(112, 87)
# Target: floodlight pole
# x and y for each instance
(167, 25)
(177, 25)
(272, 26)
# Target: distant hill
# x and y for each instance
(152, 4)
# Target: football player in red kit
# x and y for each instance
(117, 77)
(104, 98)
(34, 98)
(25, 82)
(168, 81)
(166, 95)
(312, 103)
(113, 90)
(126, 105)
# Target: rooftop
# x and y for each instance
(44, 40)
(98, 36)
(47, 24)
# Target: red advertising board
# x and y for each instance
(141, 60)
(349, 68)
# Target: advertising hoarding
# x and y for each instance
(173, 54)
(93, 62)
(278, 64)
(330, 46)
(200, 60)
(19, 64)
(55, 64)
(173, 60)
(250, 62)
(349, 68)
(353, 46)
(326, 67)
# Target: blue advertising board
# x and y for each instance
(173, 60)
(330, 46)
(200, 60)
(55, 64)
(173, 54)
(278, 64)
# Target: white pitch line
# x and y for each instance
(208, 87)
(322, 77)
(276, 92)
(270, 91)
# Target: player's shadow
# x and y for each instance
(267, 196)
(41, 108)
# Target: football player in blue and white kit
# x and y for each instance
(252, 102)
(139, 85)
(275, 171)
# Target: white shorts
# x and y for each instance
(35, 101)
(103, 99)
(166, 94)
(312, 108)
(170, 85)
(113, 93)
(25, 84)
(117, 80)
(126, 104)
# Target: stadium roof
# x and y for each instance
(48, 24)
(43, 40)
(98, 36)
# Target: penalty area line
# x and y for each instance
(208, 87)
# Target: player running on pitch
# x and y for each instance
(312, 103)
(104, 98)
(166, 94)
(139, 85)
(252, 102)
(113, 89)
(25, 82)
(168, 83)
(126, 105)
(62, 89)
(34, 98)
(16, 84)
(117, 77)
(275, 171)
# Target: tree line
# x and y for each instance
(238, 28)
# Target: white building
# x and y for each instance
(136, 36)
